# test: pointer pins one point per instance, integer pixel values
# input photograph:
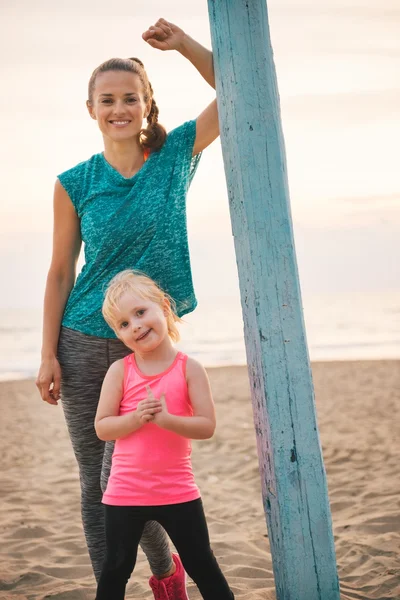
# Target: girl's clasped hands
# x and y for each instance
(152, 409)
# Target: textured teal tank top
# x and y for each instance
(132, 223)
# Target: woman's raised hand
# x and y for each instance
(164, 35)
(48, 380)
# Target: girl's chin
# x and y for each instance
(147, 348)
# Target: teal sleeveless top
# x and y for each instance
(132, 223)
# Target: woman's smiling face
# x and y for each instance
(118, 104)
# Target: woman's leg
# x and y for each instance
(83, 361)
(186, 525)
(124, 527)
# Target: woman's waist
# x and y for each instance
(87, 322)
(87, 295)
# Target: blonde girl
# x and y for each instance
(153, 402)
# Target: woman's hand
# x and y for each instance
(48, 380)
(164, 36)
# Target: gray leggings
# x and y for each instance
(84, 361)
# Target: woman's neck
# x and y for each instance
(126, 157)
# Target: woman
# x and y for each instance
(127, 205)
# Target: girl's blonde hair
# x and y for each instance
(143, 286)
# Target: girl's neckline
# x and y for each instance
(117, 175)
(167, 370)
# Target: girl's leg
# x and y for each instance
(186, 525)
(124, 527)
(154, 542)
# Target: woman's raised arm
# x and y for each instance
(167, 36)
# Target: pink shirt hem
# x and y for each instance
(126, 501)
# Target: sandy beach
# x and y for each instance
(42, 550)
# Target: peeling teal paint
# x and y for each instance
(294, 488)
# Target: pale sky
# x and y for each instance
(338, 65)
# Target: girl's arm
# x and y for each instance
(167, 36)
(60, 280)
(108, 423)
(201, 425)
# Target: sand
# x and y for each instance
(42, 550)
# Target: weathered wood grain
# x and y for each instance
(293, 476)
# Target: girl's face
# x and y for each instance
(140, 323)
(118, 105)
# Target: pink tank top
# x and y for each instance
(152, 466)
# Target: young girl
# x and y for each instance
(127, 204)
(153, 402)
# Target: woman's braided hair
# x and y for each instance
(152, 138)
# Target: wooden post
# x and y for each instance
(294, 486)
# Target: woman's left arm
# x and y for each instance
(167, 36)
